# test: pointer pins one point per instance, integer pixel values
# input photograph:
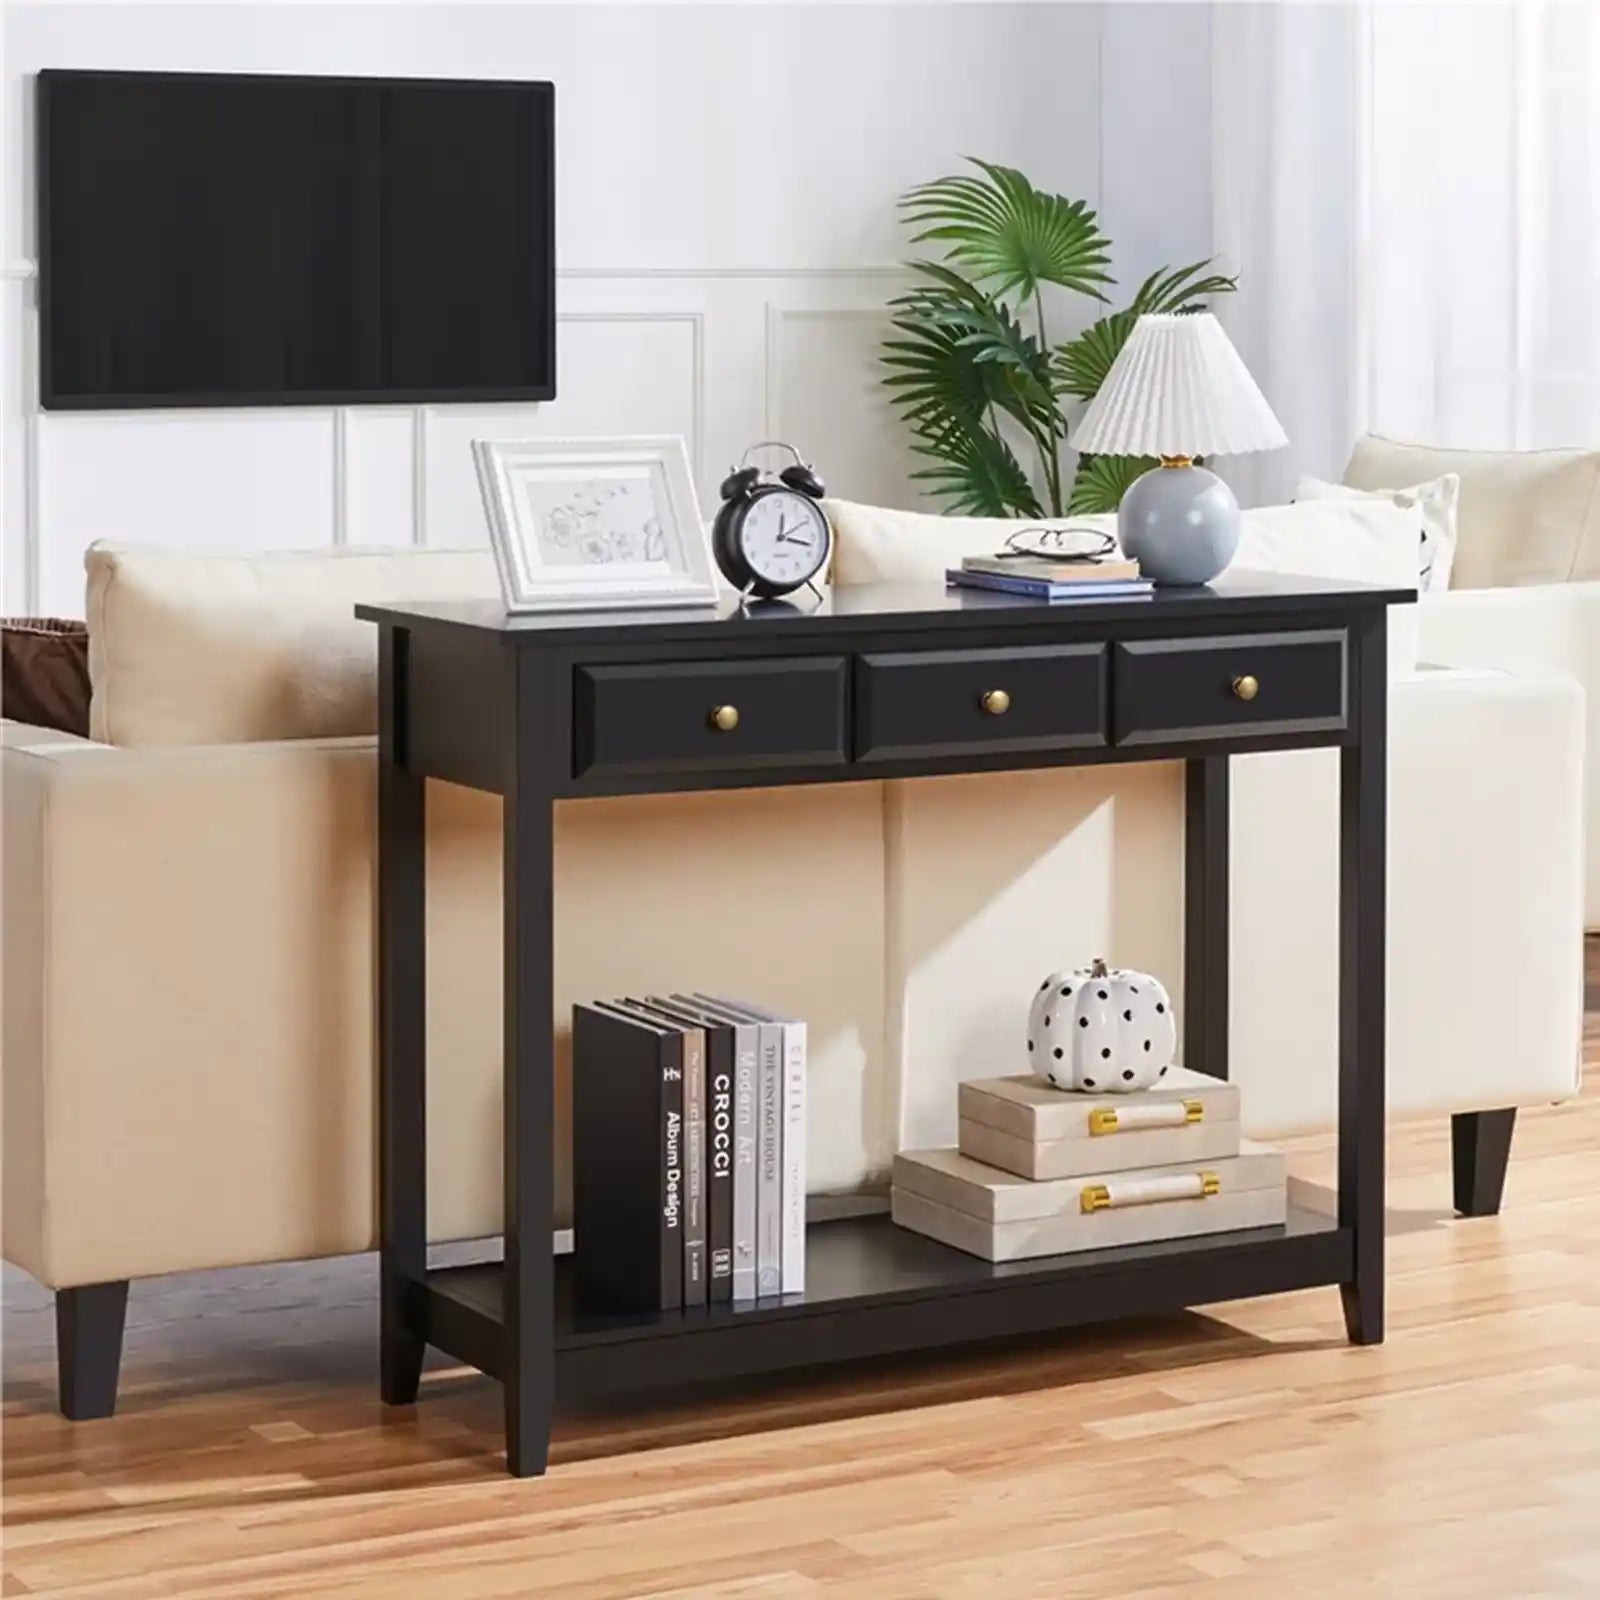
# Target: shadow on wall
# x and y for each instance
(957, 894)
(996, 881)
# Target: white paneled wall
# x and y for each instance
(726, 232)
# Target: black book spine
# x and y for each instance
(673, 1138)
(621, 1238)
(719, 1158)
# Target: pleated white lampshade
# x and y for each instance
(1178, 388)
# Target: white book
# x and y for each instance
(769, 1160)
(794, 1157)
(791, 1114)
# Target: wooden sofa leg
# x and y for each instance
(89, 1324)
(1480, 1147)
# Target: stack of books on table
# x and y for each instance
(1041, 1171)
(1047, 578)
(689, 1152)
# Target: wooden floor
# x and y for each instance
(1247, 1453)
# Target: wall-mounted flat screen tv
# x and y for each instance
(225, 240)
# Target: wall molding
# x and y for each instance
(419, 476)
(775, 316)
(695, 318)
(340, 535)
(692, 317)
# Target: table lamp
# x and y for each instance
(1178, 390)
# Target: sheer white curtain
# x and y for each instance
(1411, 194)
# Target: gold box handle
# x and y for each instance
(724, 718)
(1148, 1191)
(1130, 1119)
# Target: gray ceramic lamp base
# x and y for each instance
(1181, 524)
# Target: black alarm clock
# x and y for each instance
(771, 537)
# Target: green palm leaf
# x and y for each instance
(1101, 482)
(955, 353)
(1009, 235)
(976, 474)
(972, 383)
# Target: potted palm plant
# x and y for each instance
(971, 368)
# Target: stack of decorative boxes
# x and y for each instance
(1041, 1171)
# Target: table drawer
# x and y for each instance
(1247, 683)
(680, 716)
(933, 702)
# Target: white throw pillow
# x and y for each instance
(1525, 516)
(1434, 505)
(189, 648)
(875, 544)
(1361, 541)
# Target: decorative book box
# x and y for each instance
(1002, 1217)
(1026, 1126)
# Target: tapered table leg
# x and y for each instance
(1363, 827)
(529, 1072)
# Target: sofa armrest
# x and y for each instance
(1484, 832)
(1541, 629)
(176, 960)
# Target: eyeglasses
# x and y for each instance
(1068, 543)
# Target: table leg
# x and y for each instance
(402, 1132)
(529, 1072)
(1363, 826)
(1205, 921)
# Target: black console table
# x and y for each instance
(877, 682)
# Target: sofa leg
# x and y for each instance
(1480, 1147)
(89, 1347)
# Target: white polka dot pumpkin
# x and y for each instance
(1105, 1030)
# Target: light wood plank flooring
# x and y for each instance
(1244, 1453)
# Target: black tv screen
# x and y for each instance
(243, 240)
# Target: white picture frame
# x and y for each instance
(594, 524)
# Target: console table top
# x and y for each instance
(894, 605)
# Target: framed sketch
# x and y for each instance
(594, 524)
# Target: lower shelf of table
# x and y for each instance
(873, 1288)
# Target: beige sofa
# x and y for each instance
(188, 929)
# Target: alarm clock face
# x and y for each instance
(783, 536)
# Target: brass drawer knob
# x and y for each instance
(725, 718)
(996, 702)
(1246, 687)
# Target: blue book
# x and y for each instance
(1043, 589)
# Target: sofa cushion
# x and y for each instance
(1433, 504)
(188, 648)
(44, 673)
(1526, 516)
(877, 544)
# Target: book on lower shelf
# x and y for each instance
(627, 1125)
(707, 1094)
